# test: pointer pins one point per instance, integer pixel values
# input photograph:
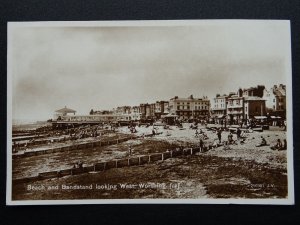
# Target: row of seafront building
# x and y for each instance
(254, 102)
(181, 108)
(232, 108)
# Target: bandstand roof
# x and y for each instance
(65, 110)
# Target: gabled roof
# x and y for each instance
(65, 110)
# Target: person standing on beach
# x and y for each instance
(230, 138)
(238, 133)
(284, 122)
(219, 133)
(130, 149)
(284, 147)
(201, 144)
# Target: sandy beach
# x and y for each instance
(240, 170)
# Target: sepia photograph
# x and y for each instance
(183, 111)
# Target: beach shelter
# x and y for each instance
(170, 118)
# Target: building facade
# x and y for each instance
(257, 91)
(190, 108)
(219, 108)
(136, 113)
(145, 111)
(235, 109)
(245, 104)
(254, 107)
(161, 109)
(276, 100)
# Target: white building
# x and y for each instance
(219, 107)
(276, 100)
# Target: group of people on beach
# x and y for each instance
(278, 146)
(241, 136)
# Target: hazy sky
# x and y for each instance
(97, 68)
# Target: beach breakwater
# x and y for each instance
(71, 147)
(106, 165)
(34, 140)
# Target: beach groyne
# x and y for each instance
(106, 165)
(34, 140)
(75, 146)
(71, 147)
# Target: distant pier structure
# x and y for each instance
(67, 118)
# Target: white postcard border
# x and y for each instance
(288, 201)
